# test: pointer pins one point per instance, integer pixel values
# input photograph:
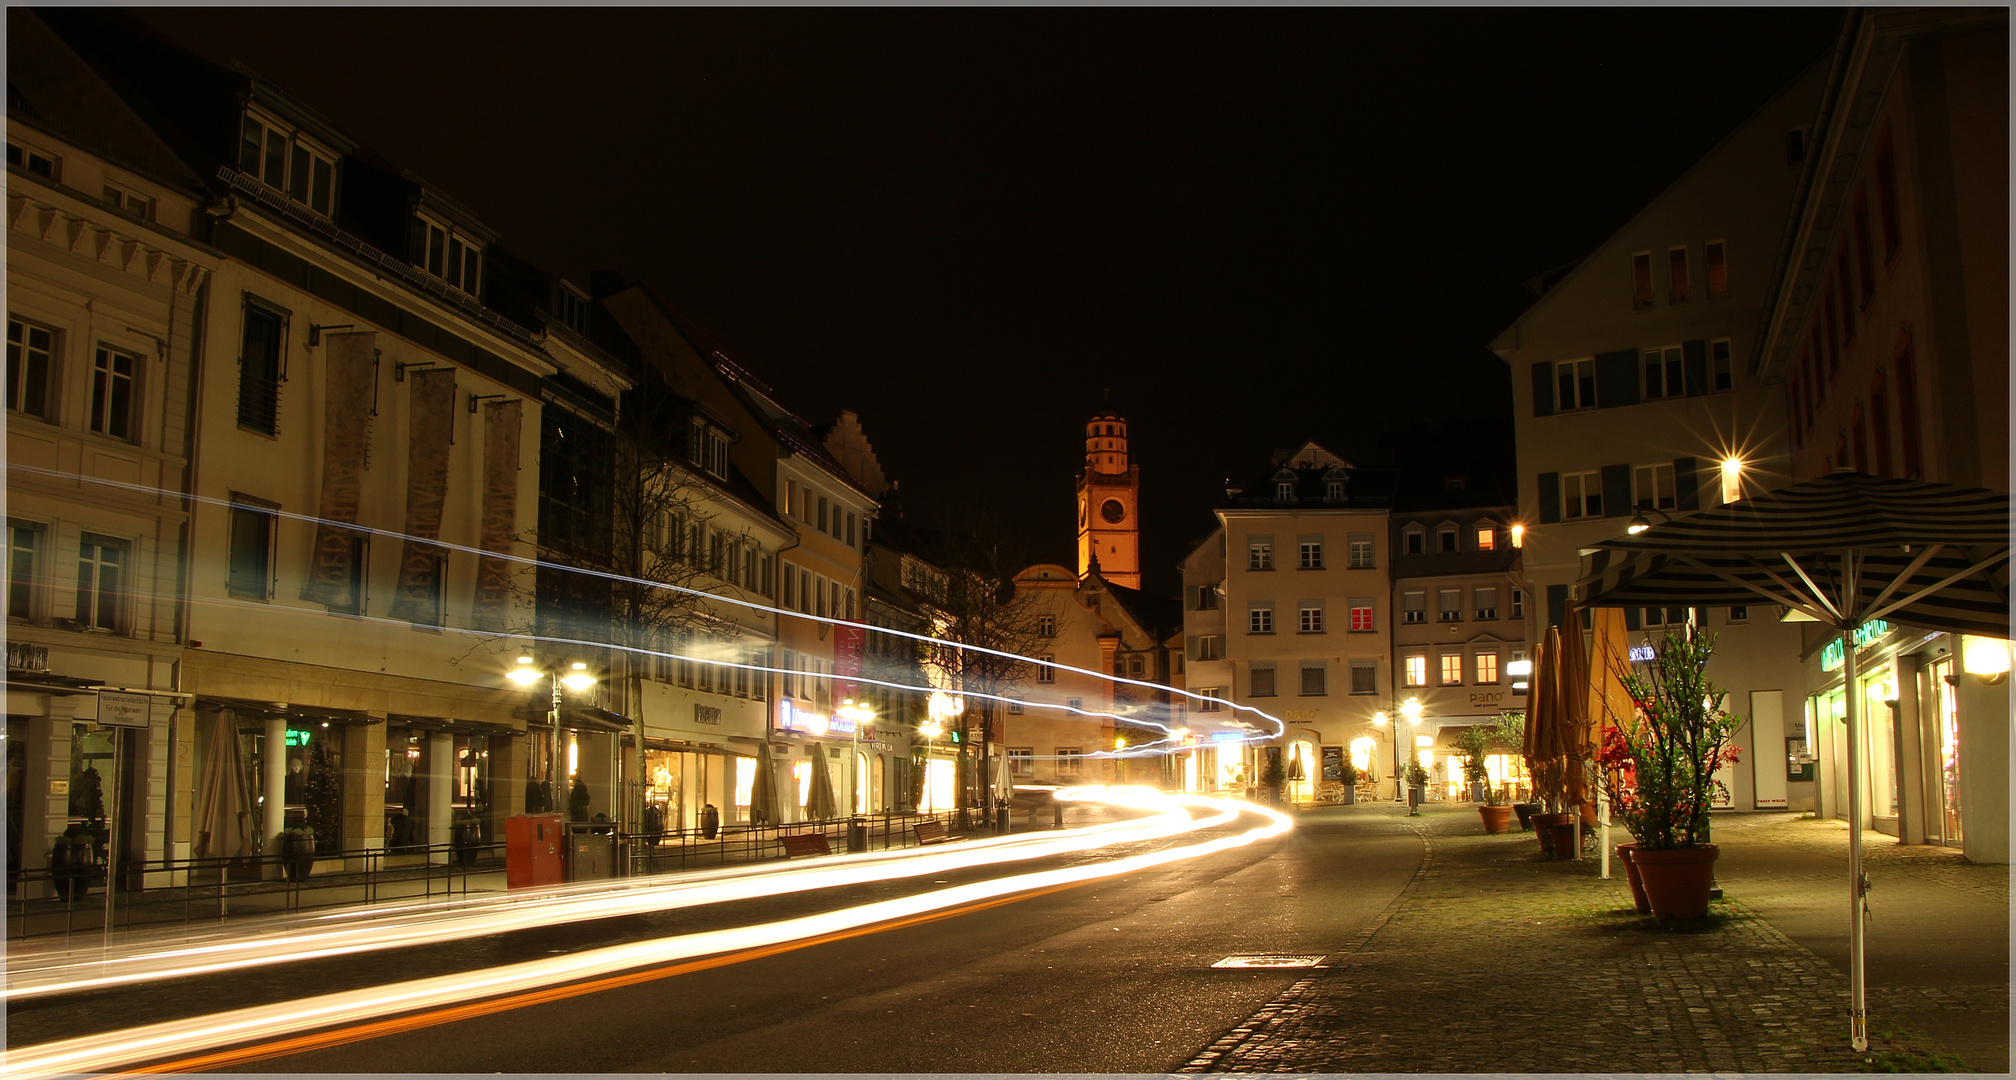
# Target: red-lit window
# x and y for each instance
(1718, 270)
(1361, 618)
(1641, 280)
(1677, 278)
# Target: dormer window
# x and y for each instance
(570, 307)
(707, 447)
(448, 254)
(283, 159)
(1284, 486)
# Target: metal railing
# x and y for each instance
(681, 849)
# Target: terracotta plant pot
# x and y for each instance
(1525, 810)
(1677, 881)
(1562, 838)
(1497, 819)
(1638, 900)
(1542, 825)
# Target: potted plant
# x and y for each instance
(654, 824)
(1347, 773)
(1416, 775)
(1272, 776)
(1473, 745)
(297, 852)
(578, 800)
(466, 837)
(538, 796)
(1660, 772)
(1497, 809)
(73, 861)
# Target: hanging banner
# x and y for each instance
(503, 425)
(418, 597)
(849, 642)
(349, 359)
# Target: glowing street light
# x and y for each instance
(1410, 711)
(577, 679)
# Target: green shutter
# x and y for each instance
(1686, 485)
(1543, 388)
(1550, 498)
(1694, 361)
(1617, 379)
(1616, 490)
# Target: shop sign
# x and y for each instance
(1333, 763)
(706, 714)
(124, 710)
(297, 737)
(1830, 654)
(1492, 698)
(1644, 654)
(1228, 736)
(24, 656)
(792, 718)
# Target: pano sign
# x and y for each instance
(1831, 656)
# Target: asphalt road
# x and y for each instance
(1110, 976)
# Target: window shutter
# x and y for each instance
(1557, 604)
(1632, 622)
(1694, 361)
(1686, 486)
(1617, 491)
(1617, 379)
(1543, 388)
(1550, 498)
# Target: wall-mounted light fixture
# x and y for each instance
(315, 331)
(1985, 658)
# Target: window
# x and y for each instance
(120, 197)
(1021, 759)
(251, 575)
(1641, 280)
(1721, 371)
(1576, 385)
(1739, 613)
(1417, 541)
(1210, 647)
(35, 161)
(1414, 606)
(1263, 680)
(1211, 696)
(1068, 759)
(1654, 487)
(1361, 615)
(1717, 260)
(112, 403)
(24, 556)
(1416, 669)
(1582, 495)
(448, 254)
(850, 529)
(284, 160)
(822, 514)
(1886, 198)
(1452, 668)
(1361, 551)
(1487, 537)
(1259, 553)
(31, 351)
(1134, 665)
(1314, 678)
(1676, 276)
(1795, 144)
(1310, 620)
(1044, 672)
(1284, 491)
(1046, 625)
(1518, 603)
(1449, 605)
(357, 597)
(707, 447)
(1487, 602)
(101, 569)
(1310, 555)
(259, 369)
(1364, 677)
(1662, 373)
(1333, 490)
(1260, 619)
(1487, 668)
(1207, 597)
(1445, 540)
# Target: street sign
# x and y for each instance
(123, 710)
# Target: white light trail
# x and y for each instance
(711, 597)
(158, 1042)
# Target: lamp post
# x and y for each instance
(576, 679)
(1410, 710)
(856, 714)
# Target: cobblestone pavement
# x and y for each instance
(1493, 960)
(1943, 865)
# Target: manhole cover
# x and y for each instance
(1269, 961)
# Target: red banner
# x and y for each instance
(849, 642)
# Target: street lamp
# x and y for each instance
(576, 679)
(1410, 710)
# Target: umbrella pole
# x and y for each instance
(1858, 1014)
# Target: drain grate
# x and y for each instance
(1275, 960)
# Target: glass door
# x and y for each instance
(1946, 715)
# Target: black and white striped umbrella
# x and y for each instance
(1842, 549)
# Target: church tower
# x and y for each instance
(1109, 524)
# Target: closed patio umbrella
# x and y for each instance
(223, 806)
(763, 793)
(1609, 705)
(820, 804)
(1546, 743)
(1840, 550)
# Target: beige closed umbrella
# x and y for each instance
(820, 803)
(223, 805)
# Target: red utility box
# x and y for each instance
(532, 851)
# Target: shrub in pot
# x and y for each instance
(297, 852)
(1348, 774)
(466, 837)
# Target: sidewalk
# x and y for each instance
(1493, 960)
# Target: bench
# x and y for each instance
(932, 832)
(801, 844)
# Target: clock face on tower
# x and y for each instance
(1112, 511)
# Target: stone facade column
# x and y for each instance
(440, 792)
(273, 777)
(363, 790)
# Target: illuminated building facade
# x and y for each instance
(1109, 503)
(1890, 334)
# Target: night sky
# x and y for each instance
(1256, 228)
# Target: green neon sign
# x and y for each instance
(298, 738)
(1830, 654)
